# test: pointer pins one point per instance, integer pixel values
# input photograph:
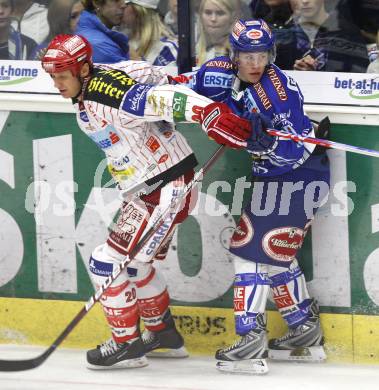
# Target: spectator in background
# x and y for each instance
(365, 14)
(96, 23)
(150, 40)
(216, 18)
(279, 13)
(30, 19)
(13, 45)
(321, 40)
(171, 17)
(374, 65)
(62, 16)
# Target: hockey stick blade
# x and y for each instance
(28, 364)
(325, 143)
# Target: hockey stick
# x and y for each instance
(27, 364)
(325, 143)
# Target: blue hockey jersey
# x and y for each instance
(276, 96)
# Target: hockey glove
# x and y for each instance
(180, 79)
(260, 142)
(225, 127)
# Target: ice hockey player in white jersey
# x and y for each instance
(128, 110)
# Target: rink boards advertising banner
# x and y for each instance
(326, 88)
(54, 211)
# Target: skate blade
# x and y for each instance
(168, 353)
(130, 363)
(314, 354)
(249, 366)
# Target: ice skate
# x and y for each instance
(303, 343)
(167, 342)
(111, 355)
(247, 355)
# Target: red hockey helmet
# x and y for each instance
(67, 52)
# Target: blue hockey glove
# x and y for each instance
(260, 141)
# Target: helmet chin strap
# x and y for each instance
(83, 82)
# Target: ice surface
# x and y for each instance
(66, 370)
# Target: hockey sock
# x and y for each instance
(251, 289)
(153, 300)
(120, 300)
(290, 294)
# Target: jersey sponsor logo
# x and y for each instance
(167, 133)
(153, 144)
(214, 114)
(163, 159)
(253, 23)
(243, 233)
(150, 312)
(238, 28)
(74, 44)
(135, 100)
(218, 64)
(254, 34)
(282, 121)
(108, 87)
(179, 103)
(277, 84)
(214, 79)
(121, 239)
(100, 268)
(239, 298)
(127, 226)
(120, 162)
(262, 95)
(106, 138)
(283, 243)
(282, 297)
(249, 101)
(160, 234)
(83, 116)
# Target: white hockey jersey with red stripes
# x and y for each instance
(128, 110)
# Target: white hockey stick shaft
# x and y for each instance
(325, 143)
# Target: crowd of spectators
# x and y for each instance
(322, 35)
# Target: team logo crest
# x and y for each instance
(282, 244)
(254, 34)
(243, 233)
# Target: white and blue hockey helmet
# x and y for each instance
(252, 36)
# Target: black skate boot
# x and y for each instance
(117, 355)
(303, 343)
(246, 355)
(167, 342)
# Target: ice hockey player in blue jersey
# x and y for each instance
(291, 181)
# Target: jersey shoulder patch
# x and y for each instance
(219, 62)
(274, 76)
(108, 87)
